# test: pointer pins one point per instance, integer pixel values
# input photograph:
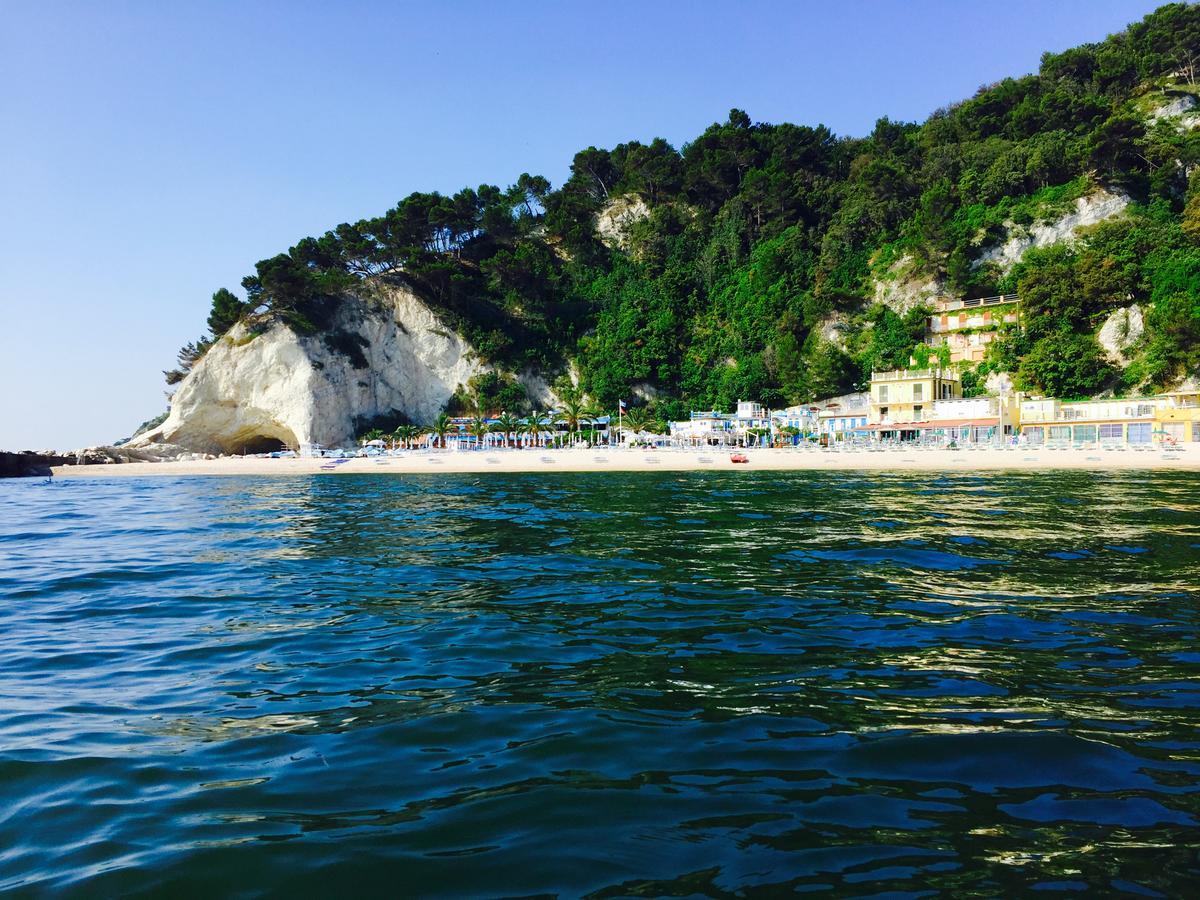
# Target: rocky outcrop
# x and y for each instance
(1090, 210)
(613, 222)
(835, 329)
(254, 392)
(1121, 331)
(1181, 109)
(904, 287)
(999, 384)
(30, 464)
(113, 454)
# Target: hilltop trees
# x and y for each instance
(226, 310)
(762, 237)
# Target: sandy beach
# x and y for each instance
(625, 460)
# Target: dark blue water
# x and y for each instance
(685, 685)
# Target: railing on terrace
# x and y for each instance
(945, 305)
(906, 374)
(1140, 411)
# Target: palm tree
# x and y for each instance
(635, 420)
(441, 427)
(405, 434)
(506, 425)
(572, 413)
(589, 414)
(478, 428)
(534, 423)
(657, 426)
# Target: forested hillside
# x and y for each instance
(751, 258)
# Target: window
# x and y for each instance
(918, 392)
(883, 398)
(1034, 435)
(1144, 409)
(1196, 431)
(1085, 433)
(917, 412)
(1060, 432)
(883, 412)
(1138, 433)
(1111, 432)
(1174, 431)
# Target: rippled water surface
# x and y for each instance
(649, 684)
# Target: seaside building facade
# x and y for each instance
(966, 327)
(1117, 421)
(803, 418)
(971, 420)
(843, 418)
(1177, 417)
(902, 399)
(714, 428)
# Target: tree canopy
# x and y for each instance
(753, 272)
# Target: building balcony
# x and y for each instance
(947, 305)
(913, 374)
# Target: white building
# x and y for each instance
(843, 417)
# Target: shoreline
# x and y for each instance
(476, 462)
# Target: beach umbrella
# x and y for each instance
(376, 443)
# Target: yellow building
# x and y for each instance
(1111, 421)
(905, 397)
(1177, 417)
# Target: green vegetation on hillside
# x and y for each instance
(752, 274)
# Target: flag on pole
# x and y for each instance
(621, 405)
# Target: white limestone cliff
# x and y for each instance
(1122, 331)
(904, 286)
(249, 390)
(1180, 110)
(614, 220)
(1090, 210)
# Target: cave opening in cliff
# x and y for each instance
(260, 443)
(265, 437)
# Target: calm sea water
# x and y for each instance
(664, 684)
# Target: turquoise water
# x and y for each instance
(691, 685)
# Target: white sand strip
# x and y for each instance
(602, 460)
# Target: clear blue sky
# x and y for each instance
(152, 152)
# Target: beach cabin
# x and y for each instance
(713, 428)
(703, 428)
